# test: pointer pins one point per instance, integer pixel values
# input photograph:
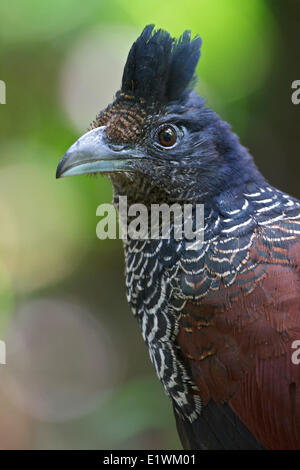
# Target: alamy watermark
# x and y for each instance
(160, 221)
(2, 352)
(2, 92)
(296, 353)
(295, 97)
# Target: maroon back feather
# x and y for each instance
(238, 346)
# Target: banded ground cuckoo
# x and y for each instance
(219, 321)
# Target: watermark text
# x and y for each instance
(2, 92)
(160, 221)
(296, 94)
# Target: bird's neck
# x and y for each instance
(243, 176)
(233, 213)
(138, 189)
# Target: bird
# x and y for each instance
(220, 319)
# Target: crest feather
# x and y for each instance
(159, 68)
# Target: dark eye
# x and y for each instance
(167, 136)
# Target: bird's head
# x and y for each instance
(158, 137)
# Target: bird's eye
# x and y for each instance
(167, 136)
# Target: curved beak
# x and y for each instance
(92, 153)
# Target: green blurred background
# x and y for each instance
(78, 374)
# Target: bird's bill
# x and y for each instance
(91, 153)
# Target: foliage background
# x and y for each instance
(77, 373)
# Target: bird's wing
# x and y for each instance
(238, 344)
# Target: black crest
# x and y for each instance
(159, 68)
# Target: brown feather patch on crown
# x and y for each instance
(125, 120)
